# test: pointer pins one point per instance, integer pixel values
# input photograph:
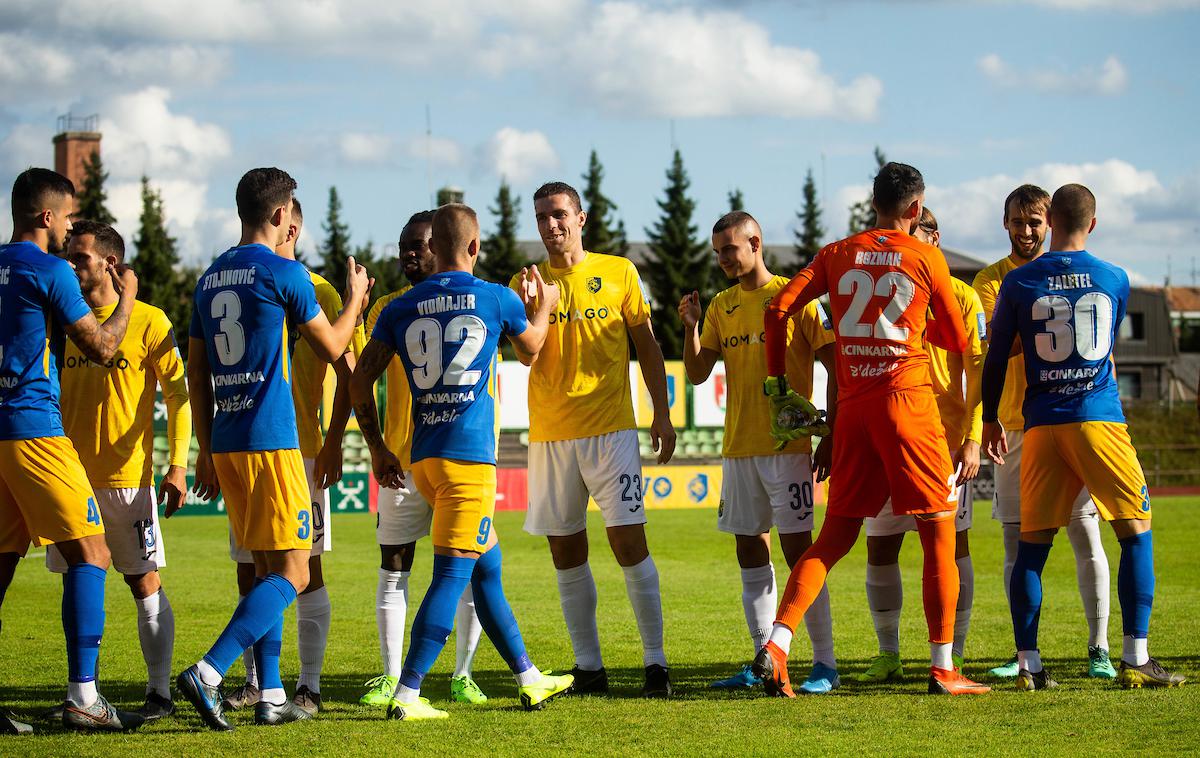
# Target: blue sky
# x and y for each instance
(979, 95)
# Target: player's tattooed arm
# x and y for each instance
(99, 342)
(654, 372)
(371, 364)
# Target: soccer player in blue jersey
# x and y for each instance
(446, 330)
(240, 361)
(45, 496)
(1066, 308)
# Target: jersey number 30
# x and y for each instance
(1085, 328)
(424, 339)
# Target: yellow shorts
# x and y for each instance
(267, 499)
(45, 496)
(1060, 459)
(463, 496)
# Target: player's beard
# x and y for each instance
(1018, 249)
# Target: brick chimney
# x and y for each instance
(76, 142)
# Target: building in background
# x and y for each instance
(76, 143)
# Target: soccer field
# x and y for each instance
(706, 639)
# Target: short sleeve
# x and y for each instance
(384, 330)
(512, 312)
(295, 288)
(815, 326)
(974, 321)
(196, 329)
(329, 300)
(710, 334)
(635, 307)
(63, 294)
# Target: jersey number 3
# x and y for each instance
(424, 339)
(860, 286)
(230, 339)
(1085, 328)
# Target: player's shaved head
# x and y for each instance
(738, 220)
(35, 190)
(1026, 200)
(297, 213)
(896, 186)
(1072, 209)
(550, 189)
(260, 192)
(106, 240)
(455, 227)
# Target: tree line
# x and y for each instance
(679, 258)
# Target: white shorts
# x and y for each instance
(764, 490)
(1006, 502)
(888, 523)
(130, 528)
(563, 473)
(322, 540)
(404, 515)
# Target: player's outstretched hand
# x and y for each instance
(327, 469)
(366, 300)
(358, 284)
(994, 442)
(386, 467)
(171, 490)
(206, 486)
(547, 292)
(967, 457)
(123, 278)
(822, 460)
(689, 310)
(662, 437)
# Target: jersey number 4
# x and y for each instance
(1085, 328)
(424, 339)
(860, 286)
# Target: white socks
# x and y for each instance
(391, 607)
(467, 630)
(406, 694)
(210, 675)
(641, 585)
(885, 597)
(1012, 535)
(529, 676)
(1091, 571)
(941, 655)
(1030, 660)
(819, 621)
(82, 694)
(274, 696)
(966, 599)
(782, 637)
(577, 593)
(1135, 650)
(758, 602)
(156, 631)
(313, 614)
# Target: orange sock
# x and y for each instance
(939, 580)
(838, 535)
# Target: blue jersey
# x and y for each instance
(1066, 307)
(245, 303)
(39, 295)
(445, 331)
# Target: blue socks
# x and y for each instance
(495, 614)
(1025, 593)
(267, 651)
(256, 616)
(431, 628)
(1135, 584)
(83, 619)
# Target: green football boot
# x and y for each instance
(533, 696)
(381, 690)
(884, 668)
(463, 689)
(420, 710)
(1099, 666)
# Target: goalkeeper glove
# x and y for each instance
(793, 416)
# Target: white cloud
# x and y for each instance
(143, 136)
(1110, 78)
(363, 148)
(518, 156)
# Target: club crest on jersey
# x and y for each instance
(766, 303)
(593, 284)
(881, 240)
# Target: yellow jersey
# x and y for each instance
(308, 372)
(961, 408)
(987, 286)
(733, 328)
(108, 410)
(397, 418)
(579, 384)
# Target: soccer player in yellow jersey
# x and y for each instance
(404, 515)
(760, 485)
(323, 467)
(582, 435)
(1025, 220)
(108, 413)
(961, 410)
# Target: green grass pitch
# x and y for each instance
(706, 639)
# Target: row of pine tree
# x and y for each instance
(678, 258)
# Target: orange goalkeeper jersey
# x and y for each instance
(881, 285)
